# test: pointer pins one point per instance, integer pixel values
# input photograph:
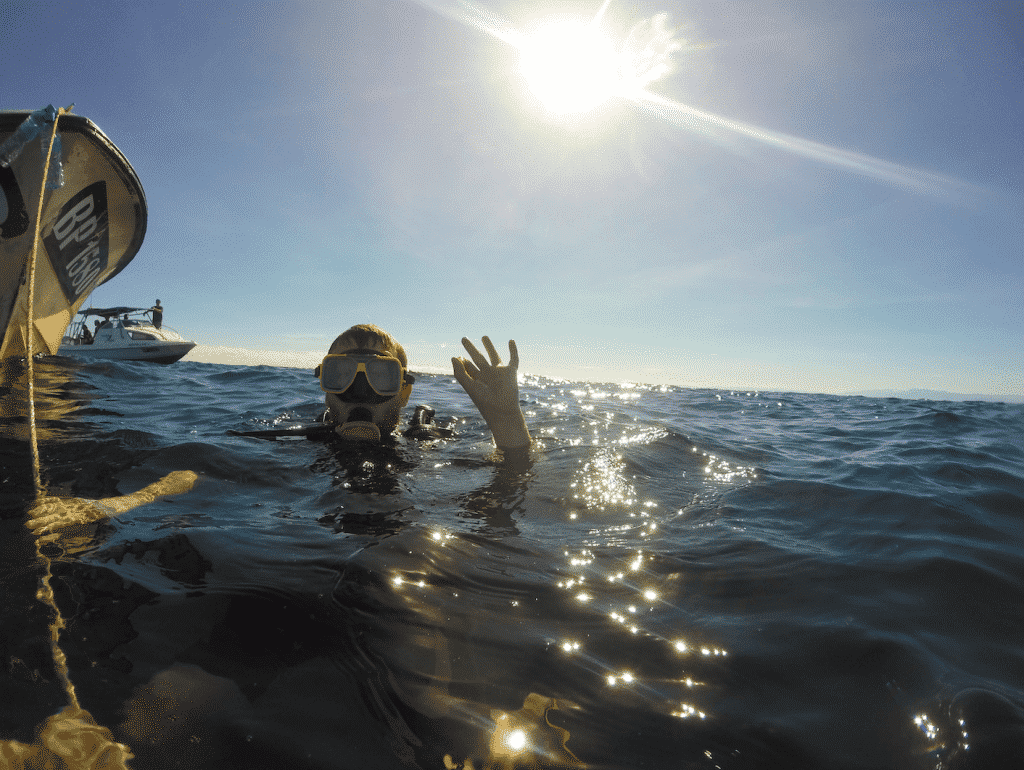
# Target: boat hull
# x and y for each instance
(159, 353)
(92, 227)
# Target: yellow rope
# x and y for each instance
(45, 593)
(33, 440)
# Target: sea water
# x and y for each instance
(675, 578)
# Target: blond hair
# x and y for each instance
(369, 336)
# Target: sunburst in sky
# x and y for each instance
(573, 66)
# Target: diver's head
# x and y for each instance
(366, 381)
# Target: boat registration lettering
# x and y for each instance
(65, 227)
(78, 243)
(81, 270)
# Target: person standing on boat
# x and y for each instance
(158, 314)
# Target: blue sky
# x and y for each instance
(831, 202)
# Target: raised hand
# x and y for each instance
(494, 390)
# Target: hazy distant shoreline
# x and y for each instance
(936, 395)
(219, 354)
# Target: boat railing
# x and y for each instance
(145, 326)
(141, 330)
(73, 335)
(172, 335)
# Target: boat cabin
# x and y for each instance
(120, 337)
(117, 331)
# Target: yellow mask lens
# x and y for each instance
(384, 375)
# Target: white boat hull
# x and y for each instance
(157, 352)
(123, 339)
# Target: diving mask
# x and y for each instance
(385, 376)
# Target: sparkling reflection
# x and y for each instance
(926, 726)
(634, 602)
(721, 470)
(601, 483)
(526, 738)
(622, 620)
(687, 710)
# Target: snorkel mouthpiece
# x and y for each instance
(358, 430)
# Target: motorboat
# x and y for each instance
(122, 334)
(92, 225)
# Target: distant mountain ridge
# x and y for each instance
(937, 395)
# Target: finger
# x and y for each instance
(475, 354)
(513, 355)
(459, 370)
(465, 373)
(495, 358)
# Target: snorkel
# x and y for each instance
(362, 421)
(359, 430)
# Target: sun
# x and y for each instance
(570, 67)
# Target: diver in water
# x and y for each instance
(366, 383)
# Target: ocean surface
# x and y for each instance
(674, 579)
